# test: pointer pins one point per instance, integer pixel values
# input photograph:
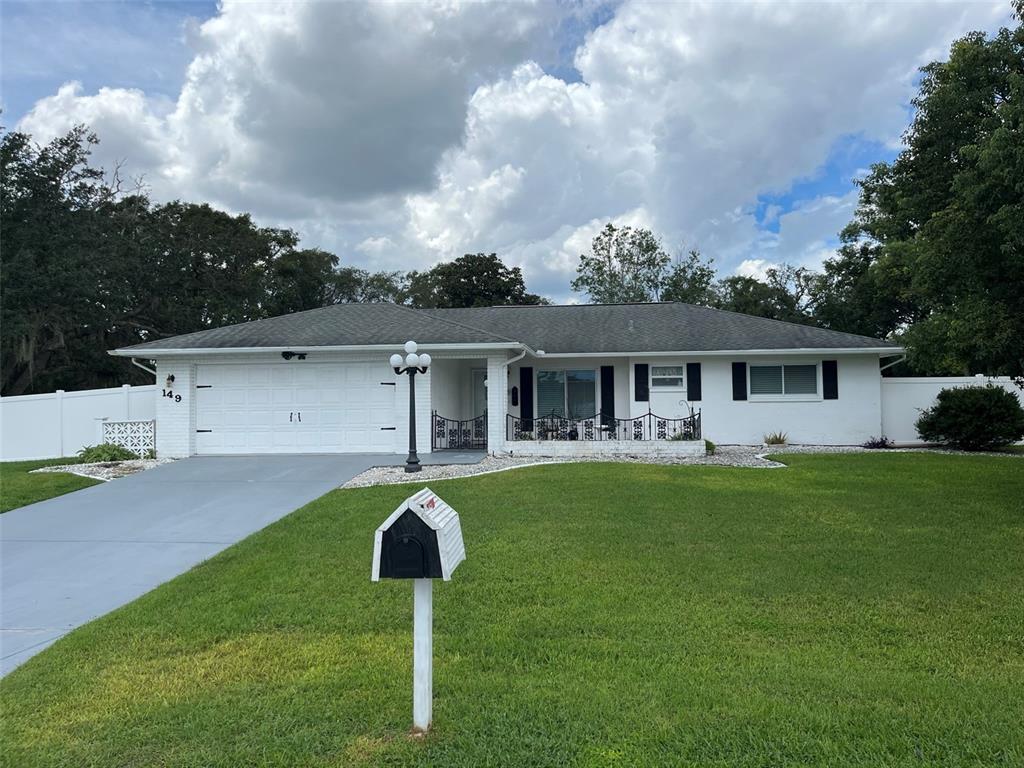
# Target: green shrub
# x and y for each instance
(973, 418)
(709, 447)
(876, 443)
(776, 438)
(95, 454)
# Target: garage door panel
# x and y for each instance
(257, 376)
(256, 408)
(281, 375)
(258, 396)
(232, 396)
(282, 396)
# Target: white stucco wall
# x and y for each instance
(903, 399)
(850, 420)
(452, 386)
(175, 421)
(572, 448)
(447, 388)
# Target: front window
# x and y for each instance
(667, 376)
(784, 379)
(567, 393)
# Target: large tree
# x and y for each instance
(50, 207)
(624, 265)
(691, 280)
(784, 294)
(935, 253)
(87, 268)
(473, 280)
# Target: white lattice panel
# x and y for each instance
(137, 436)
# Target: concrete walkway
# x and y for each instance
(68, 560)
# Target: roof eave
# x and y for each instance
(726, 352)
(152, 352)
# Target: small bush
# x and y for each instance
(709, 447)
(97, 454)
(973, 418)
(676, 436)
(877, 442)
(776, 438)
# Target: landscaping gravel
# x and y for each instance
(106, 470)
(747, 456)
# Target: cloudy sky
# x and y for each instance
(398, 135)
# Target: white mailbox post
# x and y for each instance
(421, 540)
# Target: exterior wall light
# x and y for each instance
(170, 380)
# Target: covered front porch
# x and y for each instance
(458, 413)
(546, 407)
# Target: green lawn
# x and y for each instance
(849, 610)
(18, 487)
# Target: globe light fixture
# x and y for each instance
(411, 365)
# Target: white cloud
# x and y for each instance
(755, 268)
(128, 124)
(402, 134)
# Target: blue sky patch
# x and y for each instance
(848, 158)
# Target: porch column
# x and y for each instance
(497, 402)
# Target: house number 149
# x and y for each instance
(174, 397)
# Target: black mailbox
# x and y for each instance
(422, 539)
(409, 550)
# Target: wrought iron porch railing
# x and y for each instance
(601, 427)
(467, 434)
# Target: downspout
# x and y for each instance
(509, 362)
(897, 361)
(518, 357)
(147, 369)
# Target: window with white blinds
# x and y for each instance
(766, 379)
(550, 393)
(783, 380)
(567, 393)
(800, 379)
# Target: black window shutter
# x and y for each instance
(526, 397)
(608, 392)
(739, 381)
(641, 383)
(830, 379)
(693, 381)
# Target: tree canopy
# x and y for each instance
(935, 252)
(473, 280)
(88, 266)
(934, 256)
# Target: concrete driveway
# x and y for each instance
(67, 560)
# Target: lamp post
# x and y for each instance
(411, 364)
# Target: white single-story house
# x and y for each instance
(545, 380)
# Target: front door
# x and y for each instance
(479, 392)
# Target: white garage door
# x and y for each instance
(295, 407)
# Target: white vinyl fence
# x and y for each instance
(903, 399)
(62, 423)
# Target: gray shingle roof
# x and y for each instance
(337, 325)
(663, 327)
(585, 328)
